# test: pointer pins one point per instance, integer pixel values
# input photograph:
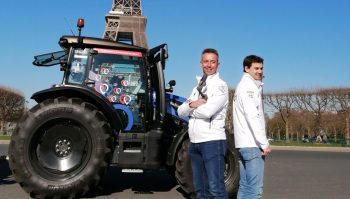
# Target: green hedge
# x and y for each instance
(5, 137)
(341, 143)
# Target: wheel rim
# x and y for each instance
(229, 166)
(60, 146)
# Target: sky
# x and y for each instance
(305, 43)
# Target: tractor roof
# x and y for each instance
(90, 42)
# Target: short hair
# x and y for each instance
(250, 59)
(210, 50)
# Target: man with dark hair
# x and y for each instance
(206, 108)
(249, 129)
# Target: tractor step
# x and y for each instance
(132, 151)
(132, 170)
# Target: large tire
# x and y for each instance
(231, 167)
(183, 173)
(60, 148)
(183, 170)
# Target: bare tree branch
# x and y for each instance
(11, 105)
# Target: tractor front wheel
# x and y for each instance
(60, 148)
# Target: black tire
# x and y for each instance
(183, 170)
(183, 173)
(60, 148)
(231, 167)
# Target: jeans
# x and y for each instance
(208, 166)
(251, 166)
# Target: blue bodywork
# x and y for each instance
(174, 101)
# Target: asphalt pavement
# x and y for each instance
(291, 173)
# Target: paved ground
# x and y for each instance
(297, 148)
(311, 148)
(291, 173)
(298, 174)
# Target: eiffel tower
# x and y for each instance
(125, 23)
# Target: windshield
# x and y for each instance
(119, 75)
(78, 66)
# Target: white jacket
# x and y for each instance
(207, 121)
(248, 114)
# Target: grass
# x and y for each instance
(5, 137)
(294, 143)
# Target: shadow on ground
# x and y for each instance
(140, 183)
(115, 181)
(5, 172)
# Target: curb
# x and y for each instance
(4, 141)
(311, 148)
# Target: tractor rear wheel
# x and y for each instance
(60, 148)
(183, 173)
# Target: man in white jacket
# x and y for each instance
(206, 108)
(249, 128)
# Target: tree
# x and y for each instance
(283, 103)
(317, 102)
(302, 123)
(275, 126)
(340, 100)
(323, 111)
(334, 125)
(11, 106)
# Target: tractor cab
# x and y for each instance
(117, 75)
(127, 77)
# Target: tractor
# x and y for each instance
(112, 107)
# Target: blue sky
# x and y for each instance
(305, 43)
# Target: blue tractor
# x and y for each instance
(112, 108)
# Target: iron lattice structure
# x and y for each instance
(125, 23)
(127, 7)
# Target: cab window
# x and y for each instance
(78, 66)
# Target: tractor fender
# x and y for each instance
(177, 142)
(86, 94)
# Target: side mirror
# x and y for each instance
(63, 64)
(171, 83)
(163, 57)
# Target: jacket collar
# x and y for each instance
(209, 78)
(258, 83)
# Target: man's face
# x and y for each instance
(209, 63)
(256, 71)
